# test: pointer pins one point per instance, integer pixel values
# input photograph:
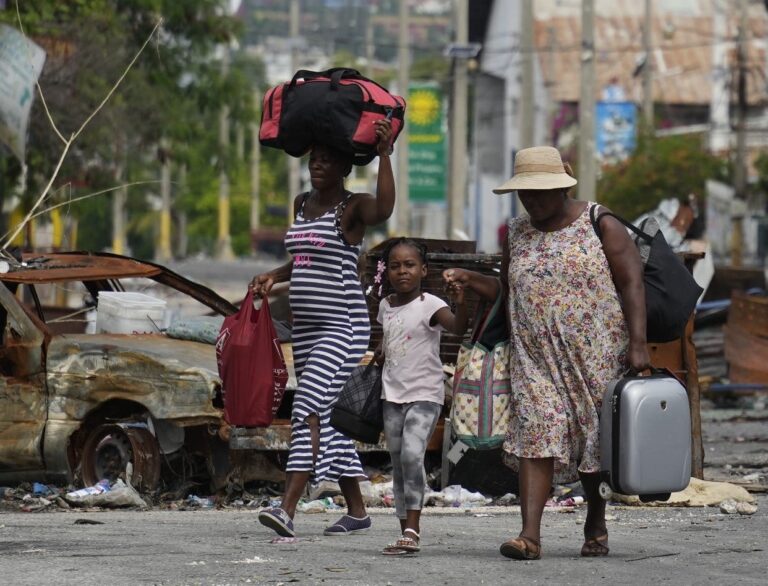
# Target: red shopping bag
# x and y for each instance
(251, 365)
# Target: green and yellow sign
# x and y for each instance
(426, 143)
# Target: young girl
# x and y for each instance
(412, 377)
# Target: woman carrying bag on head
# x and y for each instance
(577, 321)
(331, 328)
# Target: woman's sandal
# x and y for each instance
(521, 548)
(404, 545)
(595, 547)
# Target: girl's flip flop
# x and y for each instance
(404, 545)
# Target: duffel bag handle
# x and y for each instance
(336, 74)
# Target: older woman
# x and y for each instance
(330, 325)
(577, 321)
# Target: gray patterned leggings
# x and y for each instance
(407, 429)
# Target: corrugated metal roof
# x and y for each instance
(682, 58)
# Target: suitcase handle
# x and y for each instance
(655, 372)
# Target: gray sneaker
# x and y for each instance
(277, 520)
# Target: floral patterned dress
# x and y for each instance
(568, 340)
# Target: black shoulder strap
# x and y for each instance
(596, 224)
(305, 197)
(340, 207)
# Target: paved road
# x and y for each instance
(649, 545)
(675, 546)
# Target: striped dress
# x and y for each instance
(331, 331)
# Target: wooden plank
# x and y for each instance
(694, 398)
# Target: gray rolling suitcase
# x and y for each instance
(645, 437)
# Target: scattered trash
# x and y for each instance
(570, 501)
(201, 502)
(318, 506)
(98, 488)
(88, 522)
(746, 508)
(456, 496)
(119, 494)
(34, 504)
(506, 500)
(41, 489)
(326, 488)
(377, 494)
(282, 540)
(731, 507)
(754, 477)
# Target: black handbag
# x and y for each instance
(670, 290)
(358, 413)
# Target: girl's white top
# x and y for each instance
(413, 370)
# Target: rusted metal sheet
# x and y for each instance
(77, 266)
(746, 339)
(102, 266)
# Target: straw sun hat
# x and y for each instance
(537, 168)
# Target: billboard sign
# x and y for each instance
(425, 116)
(616, 130)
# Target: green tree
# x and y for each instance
(175, 90)
(660, 168)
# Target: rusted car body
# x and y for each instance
(81, 406)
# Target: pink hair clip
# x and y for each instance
(380, 268)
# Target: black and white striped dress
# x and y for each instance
(331, 330)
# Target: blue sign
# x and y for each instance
(616, 130)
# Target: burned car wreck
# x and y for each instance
(79, 406)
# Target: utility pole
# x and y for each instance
(739, 207)
(255, 180)
(239, 141)
(164, 253)
(182, 239)
(458, 173)
(402, 205)
(550, 84)
(294, 164)
(719, 120)
(224, 243)
(586, 187)
(119, 198)
(526, 89)
(648, 121)
(740, 174)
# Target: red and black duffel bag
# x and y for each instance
(335, 107)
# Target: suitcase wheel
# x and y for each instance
(605, 491)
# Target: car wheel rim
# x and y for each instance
(108, 450)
